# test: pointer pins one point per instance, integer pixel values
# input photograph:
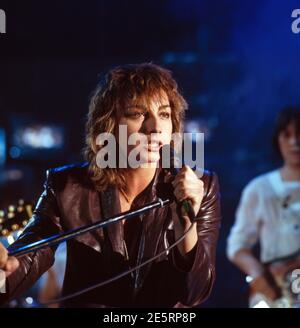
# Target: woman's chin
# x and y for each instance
(151, 160)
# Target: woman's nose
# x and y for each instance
(152, 125)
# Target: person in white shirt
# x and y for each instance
(269, 214)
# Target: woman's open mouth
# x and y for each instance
(153, 146)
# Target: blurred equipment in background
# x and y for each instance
(13, 221)
(37, 141)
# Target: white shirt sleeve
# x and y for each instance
(245, 231)
(2, 282)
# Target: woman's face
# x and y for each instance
(153, 121)
(289, 144)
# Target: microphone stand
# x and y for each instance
(56, 239)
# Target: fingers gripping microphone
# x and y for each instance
(174, 170)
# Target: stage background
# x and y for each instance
(237, 63)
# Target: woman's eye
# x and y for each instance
(135, 115)
(165, 115)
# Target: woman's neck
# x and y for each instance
(137, 180)
(290, 173)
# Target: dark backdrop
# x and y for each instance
(237, 63)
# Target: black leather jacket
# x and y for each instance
(69, 201)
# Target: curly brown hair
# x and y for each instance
(121, 86)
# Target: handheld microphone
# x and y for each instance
(174, 171)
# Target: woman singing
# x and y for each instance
(145, 99)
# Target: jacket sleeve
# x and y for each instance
(198, 271)
(44, 223)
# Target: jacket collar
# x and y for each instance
(110, 205)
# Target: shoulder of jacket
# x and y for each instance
(208, 176)
(68, 168)
(59, 176)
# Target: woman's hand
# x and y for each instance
(8, 264)
(187, 186)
